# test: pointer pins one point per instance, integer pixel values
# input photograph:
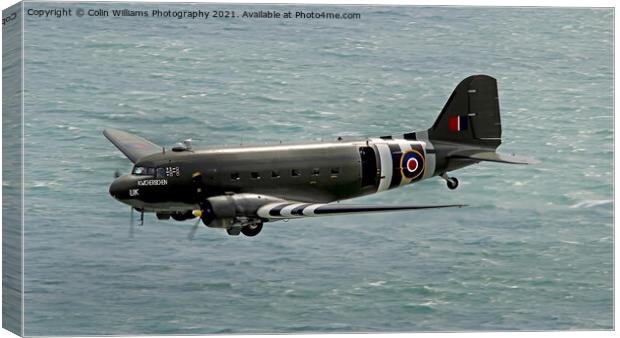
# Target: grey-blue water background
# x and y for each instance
(532, 251)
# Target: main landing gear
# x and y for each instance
(452, 182)
(250, 230)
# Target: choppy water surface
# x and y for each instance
(532, 251)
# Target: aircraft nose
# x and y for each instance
(119, 189)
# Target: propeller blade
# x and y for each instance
(192, 232)
(131, 223)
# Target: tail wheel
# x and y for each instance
(252, 230)
(453, 183)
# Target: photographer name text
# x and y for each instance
(188, 14)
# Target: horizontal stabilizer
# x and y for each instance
(284, 210)
(133, 146)
(492, 156)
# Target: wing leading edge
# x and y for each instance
(286, 210)
(133, 146)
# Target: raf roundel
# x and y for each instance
(411, 164)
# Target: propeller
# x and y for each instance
(192, 232)
(131, 223)
(200, 195)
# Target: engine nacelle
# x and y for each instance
(230, 209)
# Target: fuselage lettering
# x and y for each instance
(153, 182)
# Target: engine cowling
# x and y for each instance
(226, 210)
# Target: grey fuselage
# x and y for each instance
(314, 172)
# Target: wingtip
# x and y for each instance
(107, 131)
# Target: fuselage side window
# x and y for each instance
(275, 174)
(254, 175)
(334, 172)
(150, 171)
(295, 172)
(316, 172)
(235, 176)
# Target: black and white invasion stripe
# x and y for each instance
(281, 210)
(286, 210)
(391, 149)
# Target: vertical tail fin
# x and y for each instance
(471, 115)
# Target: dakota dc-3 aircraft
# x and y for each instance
(238, 189)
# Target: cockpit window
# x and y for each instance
(139, 171)
(149, 171)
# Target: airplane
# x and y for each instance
(241, 188)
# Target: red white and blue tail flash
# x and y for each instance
(458, 123)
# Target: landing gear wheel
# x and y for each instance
(233, 231)
(452, 182)
(252, 230)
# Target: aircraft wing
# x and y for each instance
(133, 146)
(287, 210)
